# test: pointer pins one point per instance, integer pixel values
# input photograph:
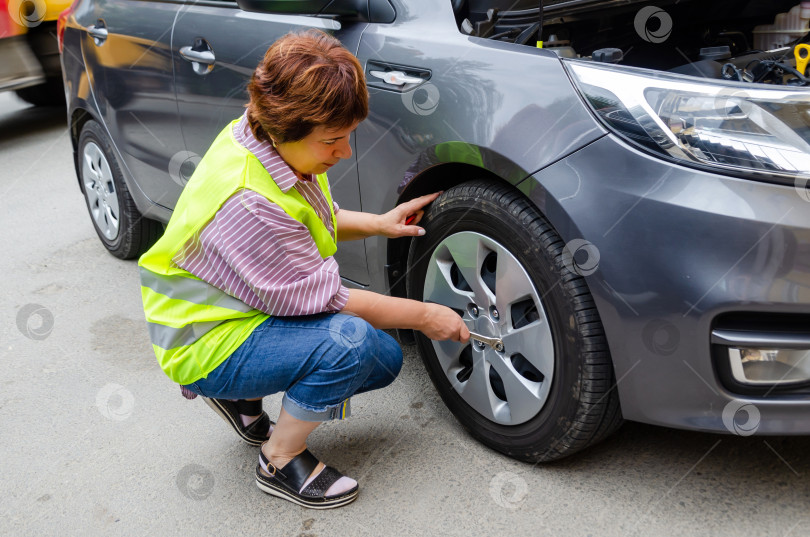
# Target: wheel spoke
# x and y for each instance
(469, 253)
(112, 221)
(534, 342)
(511, 282)
(439, 289)
(524, 397)
(448, 353)
(477, 391)
(112, 203)
(104, 222)
(92, 197)
(90, 175)
(90, 160)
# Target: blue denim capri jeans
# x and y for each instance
(318, 361)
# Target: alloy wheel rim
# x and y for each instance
(481, 280)
(99, 186)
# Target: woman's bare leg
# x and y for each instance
(289, 439)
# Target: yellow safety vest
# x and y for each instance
(193, 325)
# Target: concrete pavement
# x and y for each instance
(97, 441)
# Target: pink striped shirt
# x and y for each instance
(259, 254)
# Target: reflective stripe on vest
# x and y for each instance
(193, 325)
(190, 290)
(167, 337)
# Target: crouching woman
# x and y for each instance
(242, 294)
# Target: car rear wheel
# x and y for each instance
(118, 223)
(491, 256)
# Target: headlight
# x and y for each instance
(740, 128)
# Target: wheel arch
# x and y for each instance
(433, 179)
(442, 176)
(78, 118)
(439, 167)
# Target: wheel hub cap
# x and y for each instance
(99, 187)
(468, 272)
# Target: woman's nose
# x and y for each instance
(344, 148)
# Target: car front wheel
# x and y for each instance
(118, 223)
(493, 258)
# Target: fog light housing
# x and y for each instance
(759, 367)
(754, 355)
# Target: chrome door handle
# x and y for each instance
(396, 78)
(198, 56)
(98, 32)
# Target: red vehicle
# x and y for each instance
(29, 56)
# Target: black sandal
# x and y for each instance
(255, 433)
(286, 482)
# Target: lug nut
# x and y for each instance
(494, 313)
(474, 311)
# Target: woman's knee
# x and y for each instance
(376, 355)
(355, 340)
(386, 363)
(389, 352)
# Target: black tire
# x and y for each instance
(135, 233)
(582, 406)
(49, 93)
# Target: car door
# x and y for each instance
(217, 46)
(127, 51)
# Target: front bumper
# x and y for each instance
(679, 251)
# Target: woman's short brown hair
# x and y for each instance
(305, 79)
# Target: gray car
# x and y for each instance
(625, 212)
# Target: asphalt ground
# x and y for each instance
(97, 441)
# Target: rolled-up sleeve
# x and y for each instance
(257, 253)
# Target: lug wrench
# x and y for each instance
(493, 342)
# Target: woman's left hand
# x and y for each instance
(396, 222)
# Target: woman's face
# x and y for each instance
(318, 151)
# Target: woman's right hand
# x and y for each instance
(440, 323)
(434, 320)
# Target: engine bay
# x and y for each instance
(747, 41)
